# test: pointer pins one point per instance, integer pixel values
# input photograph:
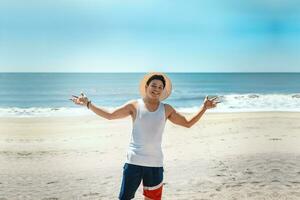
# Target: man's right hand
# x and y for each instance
(80, 100)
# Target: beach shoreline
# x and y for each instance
(252, 155)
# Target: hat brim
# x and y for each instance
(167, 90)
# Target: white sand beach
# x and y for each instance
(224, 156)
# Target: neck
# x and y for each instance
(151, 101)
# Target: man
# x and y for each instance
(149, 115)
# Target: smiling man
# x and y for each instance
(144, 157)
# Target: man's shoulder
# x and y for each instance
(168, 109)
(168, 106)
(132, 103)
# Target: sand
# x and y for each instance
(224, 156)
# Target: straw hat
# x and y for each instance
(167, 90)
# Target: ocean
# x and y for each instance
(47, 94)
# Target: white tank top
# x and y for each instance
(145, 145)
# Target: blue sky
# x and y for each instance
(149, 35)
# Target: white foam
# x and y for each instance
(44, 112)
(260, 102)
(254, 102)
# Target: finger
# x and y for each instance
(216, 102)
(75, 101)
(74, 96)
(82, 94)
(214, 98)
(206, 97)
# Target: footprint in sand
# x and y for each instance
(91, 194)
(255, 182)
(294, 182)
(275, 139)
(24, 153)
(288, 185)
(52, 182)
(236, 185)
(220, 175)
(219, 188)
(248, 171)
(275, 181)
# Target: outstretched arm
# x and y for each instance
(121, 112)
(177, 118)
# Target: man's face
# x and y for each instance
(154, 89)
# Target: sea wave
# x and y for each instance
(260, 102)
(250, 102)
(41, 112)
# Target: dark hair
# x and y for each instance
(157, 77)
